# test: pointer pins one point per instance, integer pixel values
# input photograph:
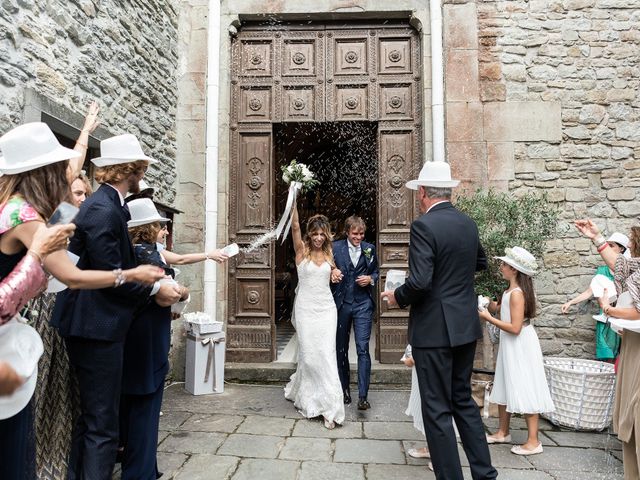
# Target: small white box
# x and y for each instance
(204, 369)
(200, 323)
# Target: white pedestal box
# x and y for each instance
(205, 363)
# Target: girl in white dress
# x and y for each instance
(520, 384)
(315, 387)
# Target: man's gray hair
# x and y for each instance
(438, 192)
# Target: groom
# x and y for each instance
(353, 286)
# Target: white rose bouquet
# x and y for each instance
(299, 172)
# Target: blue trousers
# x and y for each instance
(361, 317)
(139, 422)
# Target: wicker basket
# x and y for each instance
(582, 392)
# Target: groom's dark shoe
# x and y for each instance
(347, 397)
(363, 404)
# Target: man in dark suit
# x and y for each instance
(95, 322)
(353, 286)
(444, 254)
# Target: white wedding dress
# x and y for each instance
(315, 388)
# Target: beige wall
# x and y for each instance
(543, 95)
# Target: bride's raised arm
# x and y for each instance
(296, 233)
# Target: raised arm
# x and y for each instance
(590, 230)
(189, 258)
(91, 122)
(296, 233)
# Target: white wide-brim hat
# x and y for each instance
(600, 283)
(434, 174)
(21, 347)
(520, 259)
(143, 211)
(120, 149)
(619, 238)
(30, 146)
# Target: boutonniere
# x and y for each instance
(367, 253)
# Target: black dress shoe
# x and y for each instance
(347, 397)
(363, 404)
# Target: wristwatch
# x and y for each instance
(372, 282)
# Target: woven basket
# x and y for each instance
(582, 392)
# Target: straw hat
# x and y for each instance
(520, 259)
(434, 174)
(120, 149)
(143, 211)
(30, 146)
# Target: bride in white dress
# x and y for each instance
(315, 387)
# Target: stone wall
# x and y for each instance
(545, 98)
(119, 52)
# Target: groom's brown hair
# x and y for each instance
(354, 221)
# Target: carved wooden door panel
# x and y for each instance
(300, 88)
(250, 330)
(397, 57)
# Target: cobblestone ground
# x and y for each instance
(252, 432)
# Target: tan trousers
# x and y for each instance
(630, 458)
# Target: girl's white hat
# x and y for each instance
(619, 238)
(30, 146)
(434, 174)
(143, 211)
(120, 149)
(520, 259)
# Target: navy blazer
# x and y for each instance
(444, 254)
(342, 260)
(146, 348)
(102, 242)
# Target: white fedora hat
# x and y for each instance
(434, 174)
(520, 259)
(143, 211)
(21, 347)
(30, 146)
(120, 149)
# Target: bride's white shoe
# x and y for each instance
(329, 425)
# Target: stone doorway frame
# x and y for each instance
(257, 103)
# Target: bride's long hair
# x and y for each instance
(319, 222)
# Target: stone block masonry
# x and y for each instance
(122, 53)
(559, 112)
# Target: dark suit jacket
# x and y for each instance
(342, 260)
(444, 254)
(146, 348)
(102, 242)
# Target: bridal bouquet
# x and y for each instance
(300, 173)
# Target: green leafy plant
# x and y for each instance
(505, 221)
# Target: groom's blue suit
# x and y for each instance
(355, 306)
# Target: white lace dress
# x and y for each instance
(315, 388)
(520, 382)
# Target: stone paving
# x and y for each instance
(252, 432)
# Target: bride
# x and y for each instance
(315, 386)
